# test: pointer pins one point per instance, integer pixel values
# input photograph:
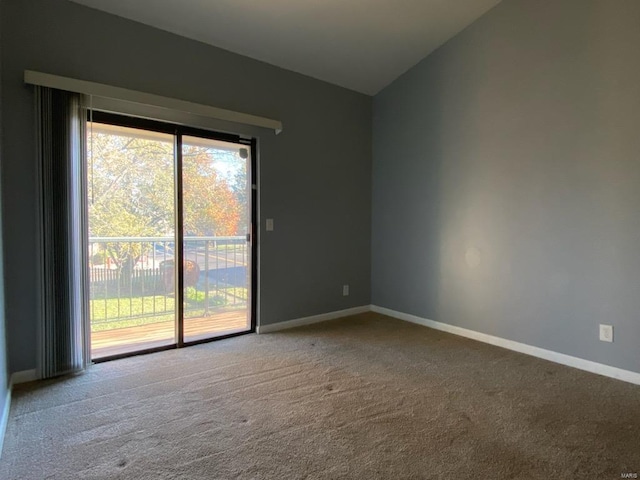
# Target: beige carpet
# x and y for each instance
(366, 397)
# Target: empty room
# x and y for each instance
(319, 239)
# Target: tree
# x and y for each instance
(131, 191)
(210, 207)
(239, 188)
(130, 186)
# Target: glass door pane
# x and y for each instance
(216, 201)
(130, 179)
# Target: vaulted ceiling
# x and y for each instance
(362, 45)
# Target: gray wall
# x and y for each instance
(506, 179)
(4, 372)
(315, 176)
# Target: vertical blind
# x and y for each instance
(62, 333)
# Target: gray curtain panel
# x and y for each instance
(63, 336)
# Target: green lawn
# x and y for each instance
(238, 292)
(115, 313)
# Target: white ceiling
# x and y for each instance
(359, 44)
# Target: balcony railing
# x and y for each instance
(132, 279)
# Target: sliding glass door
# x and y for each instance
(170, 221)
(216, 210)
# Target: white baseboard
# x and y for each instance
(298, 322)
(561, 358)
(5, 419)
(17, 377)
(23, 376)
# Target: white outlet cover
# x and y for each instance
(269, 224)
(606, 333)
(345, 290)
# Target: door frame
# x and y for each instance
(178, 131)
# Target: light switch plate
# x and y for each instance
(606, 333)
(269, 225)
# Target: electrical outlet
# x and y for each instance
(606, 333)
(269, 225)
(345, 290)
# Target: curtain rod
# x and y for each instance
(107, 91)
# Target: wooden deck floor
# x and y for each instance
(131, 339)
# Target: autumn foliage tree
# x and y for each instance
(210, 206)
(131, 190)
